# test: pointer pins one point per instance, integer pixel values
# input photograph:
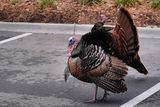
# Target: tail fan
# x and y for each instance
(138, 65)
(126, 42)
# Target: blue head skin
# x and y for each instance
(72, 43)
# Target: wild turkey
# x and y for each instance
(122, 42)
(93, 65)
(98, 56)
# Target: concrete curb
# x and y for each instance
(66, 28)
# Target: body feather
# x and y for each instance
(105, 71)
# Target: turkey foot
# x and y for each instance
(94, 99)
(104, 98)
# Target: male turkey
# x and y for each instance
(122, 42)
(94, 65)
(99, 56)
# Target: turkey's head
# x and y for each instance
(102, 18)
(72, 44)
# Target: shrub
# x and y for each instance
(126, 2)
(45, 3)
(14, 2)
(89, 2)
(156, 3)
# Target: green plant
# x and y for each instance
(89, 2)
(45, 3)
(14, 2)
(156, 3)
(126, 2)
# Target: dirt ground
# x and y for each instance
(69, 11)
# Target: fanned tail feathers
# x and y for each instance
(126, 41)
(130, 31)
(126, 33)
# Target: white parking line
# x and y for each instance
(142, 96)
(14, 38)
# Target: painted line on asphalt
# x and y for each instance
(15, 38)
(142, 96)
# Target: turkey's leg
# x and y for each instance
(105, 95)
(95, 94)
(94, 99)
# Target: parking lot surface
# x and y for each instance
(32, 67)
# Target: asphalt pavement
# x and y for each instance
(7, 34)
(32, 67)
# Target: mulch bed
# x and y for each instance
(69, 11)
